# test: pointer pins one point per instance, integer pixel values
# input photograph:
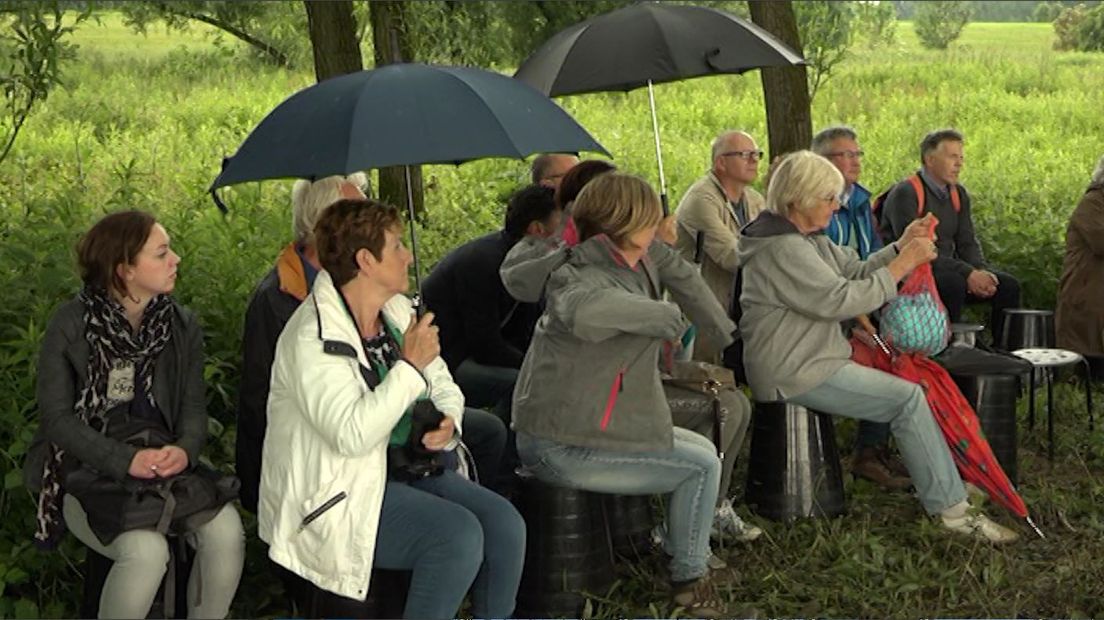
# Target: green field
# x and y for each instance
(144, 122)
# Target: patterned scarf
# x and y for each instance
(110, 338)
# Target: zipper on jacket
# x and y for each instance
(318, 512)
(615, 389)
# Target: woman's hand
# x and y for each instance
(916, 253)
(923, 228)
(438, 439)
(143, 465)
(420, 342)
(161, 462)
(172, 461)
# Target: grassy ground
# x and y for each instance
(144, 123)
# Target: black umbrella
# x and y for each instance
(650, 43)
(402, 115)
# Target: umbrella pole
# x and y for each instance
(659, 151)
(414, 244)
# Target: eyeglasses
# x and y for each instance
(847, 154)
(748, 155)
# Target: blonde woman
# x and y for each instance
(589, 406)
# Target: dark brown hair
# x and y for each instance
(114, 240)
(580, 174)
(345, 228)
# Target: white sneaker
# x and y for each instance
(728, 524)
(980, 526)
(659, 541)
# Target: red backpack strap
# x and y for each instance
(918, 187)
(956, 202)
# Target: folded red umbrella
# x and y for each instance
(955, 417)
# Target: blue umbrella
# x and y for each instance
(402, 115)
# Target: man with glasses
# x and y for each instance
(961, 273)
(853, 226)
(548, 169)
(718, 205)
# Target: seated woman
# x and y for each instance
(589, 407)
(123, 354)
(337, 497)
(1080, 314)
(798, 287)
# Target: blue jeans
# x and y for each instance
(453, 535)
(863, 393)
(691, 473)
(485, 437)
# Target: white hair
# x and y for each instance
(310, 199)
(720, 143)
(801, 179)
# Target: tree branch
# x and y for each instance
(275, 55)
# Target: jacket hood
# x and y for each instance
(761, 232)
(290, 273)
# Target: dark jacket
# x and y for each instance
(1080, 313)
(477, 317)
(958, 245)
(178, 390)
(274, 301)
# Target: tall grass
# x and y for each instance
(144, 122)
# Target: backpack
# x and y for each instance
(918, 189)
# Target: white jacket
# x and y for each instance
(324, 463)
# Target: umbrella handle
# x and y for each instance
(659, 151)
(1035, 527)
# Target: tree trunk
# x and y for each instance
(785, 89)
(391, 44)
(333, 38)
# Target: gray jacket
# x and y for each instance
(591, 375)
(797, 288)
(178, 389)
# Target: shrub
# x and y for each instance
(1066, 27)
(939, 23)
(1090, 32)
(876, 22)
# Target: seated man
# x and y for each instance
(274, 301)
(853, 226)
(485, 331)
(960, 270)
(718, 205)
(549, 169)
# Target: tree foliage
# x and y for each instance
(826, 35)
(276, 30)
(33, 47)
(1090, 32)
(876, 23)
(938, 23)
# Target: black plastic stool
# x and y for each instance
(567, 552)
(1025, 328)
(629, 521)
(794, 468)
(96, 568)
(993, 397)
(387, 591)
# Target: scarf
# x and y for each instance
(110, 338)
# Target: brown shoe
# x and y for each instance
(893, 462)
(867, 463)
(699, 599)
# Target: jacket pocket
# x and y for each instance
(611, 401)
(316, 538)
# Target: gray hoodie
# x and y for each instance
(796, 290)
(591, 375)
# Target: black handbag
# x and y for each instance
(175, 505)
(412, 461)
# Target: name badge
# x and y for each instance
(120, 382)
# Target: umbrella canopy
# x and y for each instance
(954, 415)
(403, 114)
(650, 42)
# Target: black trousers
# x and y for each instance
(952, 289)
